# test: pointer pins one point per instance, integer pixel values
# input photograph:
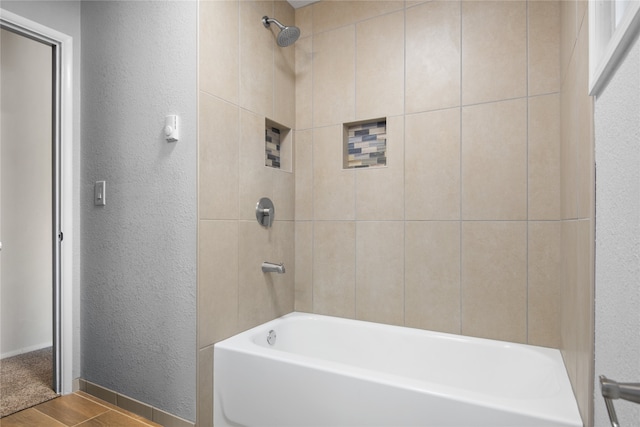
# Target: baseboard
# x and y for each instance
(25, 350)
(149, 412)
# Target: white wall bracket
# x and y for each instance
(171, 128)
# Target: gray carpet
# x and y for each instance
(25, 381)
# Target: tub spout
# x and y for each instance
(269, 267)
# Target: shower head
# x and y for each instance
(287, 35)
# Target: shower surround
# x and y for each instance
(479, 224)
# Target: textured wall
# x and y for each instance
(139, 251)
(618, 229)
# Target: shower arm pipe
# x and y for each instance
(266, 21)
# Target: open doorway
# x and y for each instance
(29, 220)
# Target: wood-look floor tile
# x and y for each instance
(29, 418)
(112, 419)
(71, 409)
(118, 409)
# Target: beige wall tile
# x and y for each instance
(257, 44)
(219, 43)
(380, 271)
(569, 145)
(304, 266)
(380, 66)
(232, 174)
(328, 15)
(544, 47)
(265, 296)
(284, 179)
(380, 191)
(218, 124)
(304, 175)
(304, 20)
(255, 179)
(583, 105)
(217, 281)
(494, 61)
(333, 187)
(568, 34)
(334, 76)
(432, 275)
(205, 387)
(284, 284)
(287, 149)
(569, 312)
(334, 261)
(544, 157)
(284, 79)
(304, 83)
(257, 291)
(494, 159)
(586, 165)
(578, 178)
(582, 12)
(432, 173)
(283, 194)
(432, 56)
(544, 289)
(585, 318)
(494, 280)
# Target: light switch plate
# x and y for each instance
(99, 193)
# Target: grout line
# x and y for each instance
(415, 113)
(404, 169)
(36, 408)
(237, 219)
(313, 176)
(355, 175)
(355, 116)
(460, 221)
(527, 63)
(273, 68)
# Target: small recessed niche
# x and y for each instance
(365, 144)
(277, 146)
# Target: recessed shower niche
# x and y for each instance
(277, 146)
(365, 144)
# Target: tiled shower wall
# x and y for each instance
(461, 232)
(244, 79)
(577, 206)
(482, 223)
(479, 224)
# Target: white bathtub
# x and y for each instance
(325, 371)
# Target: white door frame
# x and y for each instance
(63, 296)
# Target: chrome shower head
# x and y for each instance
(287, 35)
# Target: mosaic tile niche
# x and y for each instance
(276, 143)
(365, 144)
